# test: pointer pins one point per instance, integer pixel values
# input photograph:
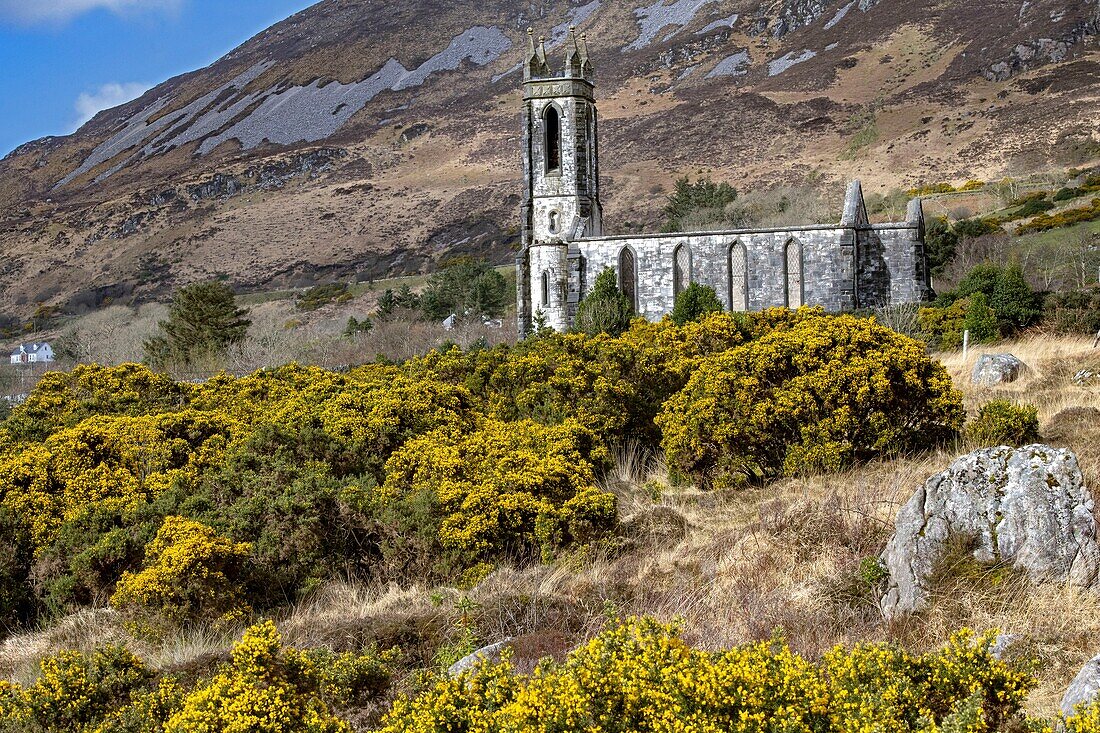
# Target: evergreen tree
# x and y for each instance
(980, 320)
(605, 309)
(203, 319)
(1013, 300)
(355, 326)
(694, 301)
(468, 288)
(1006, 291)
(386, 304)
(940, 243)
(702, 195)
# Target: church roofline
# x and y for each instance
(739, 232)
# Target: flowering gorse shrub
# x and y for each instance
(191, 574)
(74, 691)
(436, 469)
(640, 676)
(1085, 719)
(999, 422)
(64, 399)
(816, 395)
(506, 487)
(114, 461)
(266, 689)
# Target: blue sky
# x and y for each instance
(63, 60)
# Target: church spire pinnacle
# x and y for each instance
(574, 65)
(586, 63)
(535, 66)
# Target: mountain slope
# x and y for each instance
(359, 138)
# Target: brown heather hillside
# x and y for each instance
(360, 138)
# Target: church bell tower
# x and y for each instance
(561, 201)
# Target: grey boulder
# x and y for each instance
(994, 369)
(1027, 507)
(490, 653)
(1084, 687)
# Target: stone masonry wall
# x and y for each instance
(828, 266)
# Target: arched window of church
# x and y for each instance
(628, 276)
(546, 288)
(739, 278)
(681, 269)
(552, 125)
(793, 257)
(555, 222)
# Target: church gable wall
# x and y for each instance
(891, 266)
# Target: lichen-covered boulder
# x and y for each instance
(1027, 507)
(1084, 688)
(994, 369)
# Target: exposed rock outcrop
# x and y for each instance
(1084, 688)
(994, 369)
(1026, 507)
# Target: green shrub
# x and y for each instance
(693, 302)
(321, 295)
(980, 320)
(1000, 422)
(467, 287)
(976, 227)
(605, 309)
(1033, 207)
(1015, 305)
(817, 395)
(942, 327)
(690, 198)
(1073, 312)
(1069, 217)
(1067, 194)
(940, 244)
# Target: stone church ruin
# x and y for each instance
(842, 267)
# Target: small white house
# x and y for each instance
(36, 353)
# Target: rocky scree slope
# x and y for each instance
(360, 138)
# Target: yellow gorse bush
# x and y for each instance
(515, 485)
(440, 467)
(814, 395)
(640, 676)
(109, 461)
(266, 689)
(190, 574)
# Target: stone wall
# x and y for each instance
(827, 256)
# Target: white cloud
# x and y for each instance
(29, 12)
(107, 96)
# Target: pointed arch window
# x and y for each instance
(545, 289)
(552, 142)
(681, 269)
(793, 259)
(739, 277)
(628, 276)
